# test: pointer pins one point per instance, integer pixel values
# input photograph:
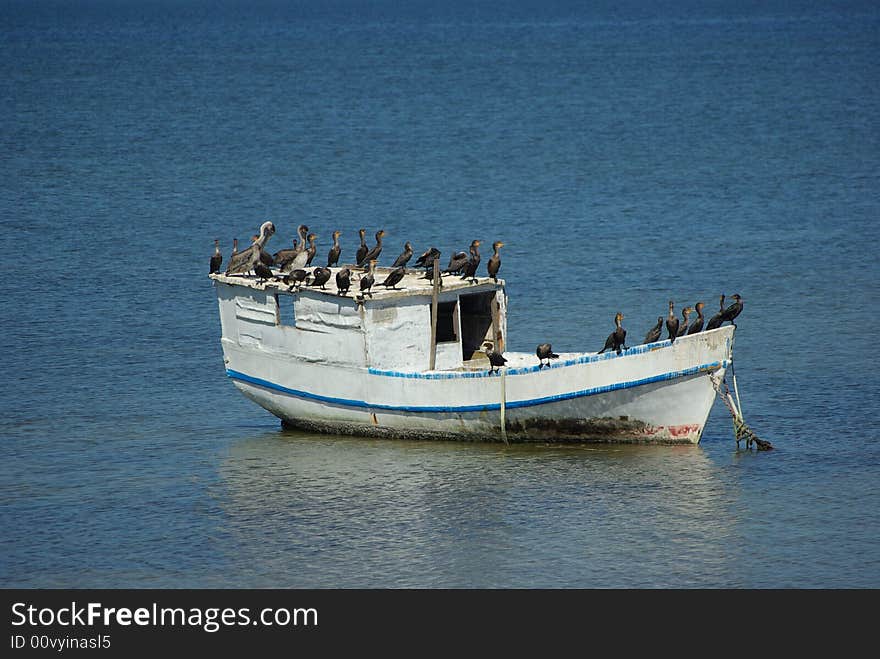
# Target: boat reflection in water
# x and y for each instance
(319, 511)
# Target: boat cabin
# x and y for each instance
(394, 329)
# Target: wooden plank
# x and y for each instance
(434, 298)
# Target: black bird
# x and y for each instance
(457, 262)
(373, 254)
(545, 351)
(216, 258)
(470, 268)
(261, 270)
(495, 261)
(368, 279)
(243, 261)
(320, 277)
(496, 359)
(343, 281)
(394, 277)
(697, 325)
(426, 260)
(284, 256)
(683, 328)
(734, 310)
(335, 251)
(295, 278)
(672, 323)
(363, 249)
(404, 257)
(617, 339)
(653, 334)
(311, 249)
(716, 320)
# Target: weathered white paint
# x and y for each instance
(360, 367)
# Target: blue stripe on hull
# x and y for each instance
(347, 402)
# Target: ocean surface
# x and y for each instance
(626, 152)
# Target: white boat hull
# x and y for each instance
(657, 393)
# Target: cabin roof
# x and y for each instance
(413, 284)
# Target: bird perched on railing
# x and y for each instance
(216, 258)
(617, 339)
(494, 263)
(394, 277)
(654, 333)
(335, 251)
(404, 257)
(470, 268)
(683, 327)
(733, 310)
(496, 359)
(716, 320)
(545, 351)
(343, 281)
(672, 322)
(697, 325)
(243, 261)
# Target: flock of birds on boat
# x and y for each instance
(290, 267)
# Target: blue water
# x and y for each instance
(627, 153)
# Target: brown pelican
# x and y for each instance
(285, 256)
(617, 339)
(545, 351)
(333, 255)
(683, 328)
(242, 261)
(301, 258)
(321, 277)
(733, 310)
(496, 359)
(216, 258)
(470, 268)
(653, 334)
(495, 261)
(363, 249)
(404, 257)
(697, 325)
(672, 323)
(368, 279)
(717, 319)
(373, 254)
(394, 277)
(343, 281)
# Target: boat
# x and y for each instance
(411, 361)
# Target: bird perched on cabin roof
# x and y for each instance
(367, 281)
(311, 249)
(284, 256)
(426, 260)
(494, 263)
(216, 258)
(363, 249)
(617, 339)
(343, 281)
(296, 278)
(394, 277)
(373, 254)
(545, 351)
(470, 268)
(496, 359)
(672, 322)
(242, 261)
(404, 257)
(335, 251)
(320, 277)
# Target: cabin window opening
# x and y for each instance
(447, 313)
(476, 322)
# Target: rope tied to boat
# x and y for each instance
(741, 430)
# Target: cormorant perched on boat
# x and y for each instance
(295, 278)
(457, 262)
(242, 261)
(496, 359)
(617, 339)
(716, 320)
(363, 249)
(368, 279)
(343, 281)
(653, 334)
(216, 258)
(404, 257)
(495, 261)
(470, 268)
(697, 325)
(426, 260)
(261, 270)
(733, 310)
(683, 328)
(545, 351)
(311, 249)
(672, 323)
(301, 259)
(335, 251)
(285, 256)
(373, 254)
(320, 277)
(394, 277)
